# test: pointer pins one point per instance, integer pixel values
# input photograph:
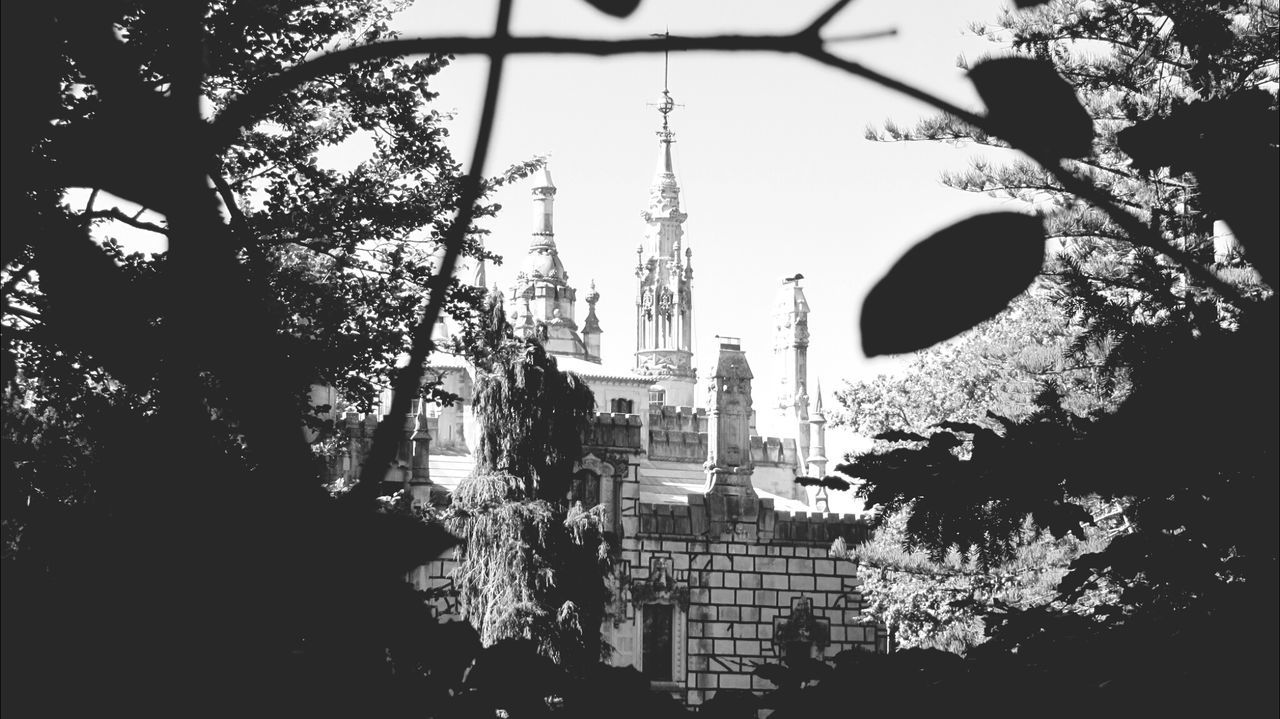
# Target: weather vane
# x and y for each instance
(667, 105)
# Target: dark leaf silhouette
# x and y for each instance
(968, 427)
(944, 440)
(1229, 144)
(833, 482)
(951, 281)
(1024, 4)
(896, 435)
(776, 673)
(1032, 106)
(616, 8)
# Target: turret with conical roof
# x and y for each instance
(542, 293)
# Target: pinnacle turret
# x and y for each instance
(664, 292)
(542, 290)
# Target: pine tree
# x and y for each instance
(533, 563)
(1178, 92)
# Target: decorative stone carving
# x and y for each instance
(665, 301)
(802, 629)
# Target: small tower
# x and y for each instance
(591, 326)
(664, 290)
(542, 292)
(790, 410)
(818, 437)
(731, 499)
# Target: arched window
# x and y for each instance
(585, 488)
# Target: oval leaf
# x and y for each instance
(616, 8)
(951, 281)
(1032, 107)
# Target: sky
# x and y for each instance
(775, 173)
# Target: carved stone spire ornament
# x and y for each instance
(542, 290)
(664, 293)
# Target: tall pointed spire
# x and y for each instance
(790, 410)
(817, 459)
(664, 293)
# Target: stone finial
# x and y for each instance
(421, 471)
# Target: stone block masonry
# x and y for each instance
(738, 603)
(749, 597)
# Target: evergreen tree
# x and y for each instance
(998, 366)
(532, 563)
(1177, 92)
(1130, 62)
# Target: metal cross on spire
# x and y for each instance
(667, 105)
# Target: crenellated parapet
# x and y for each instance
(819, 528)
(770, 526)
(411, 467)
(684, 419)
(615, 430)
(774, 451)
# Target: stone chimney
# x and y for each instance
(731, 501)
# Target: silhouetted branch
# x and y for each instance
(808, 42)
(408, 380)
(131, 220)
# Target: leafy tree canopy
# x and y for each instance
(997, 366)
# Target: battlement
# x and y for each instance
(355, 435)
(615, 430)
(774, 450)
(820, 528)
(678, 446)
(683, 419)
(773, 526)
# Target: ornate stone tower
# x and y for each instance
(817, 458)
(731, 499)
(664, 282)
(542, 293)
(790, 408)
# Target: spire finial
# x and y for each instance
(667, 105)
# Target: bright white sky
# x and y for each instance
(774, 171)
(775, 174)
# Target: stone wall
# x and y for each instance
(742, 599)
(747, 584)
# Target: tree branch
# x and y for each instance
(248, 108)
(408, 381)
(115, 214)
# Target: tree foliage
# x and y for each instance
(215, 555)
(1193, 334)
(943, 605)
(997, 366)
(533, 564)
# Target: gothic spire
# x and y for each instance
(664, 300)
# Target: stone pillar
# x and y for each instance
(732, 504)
